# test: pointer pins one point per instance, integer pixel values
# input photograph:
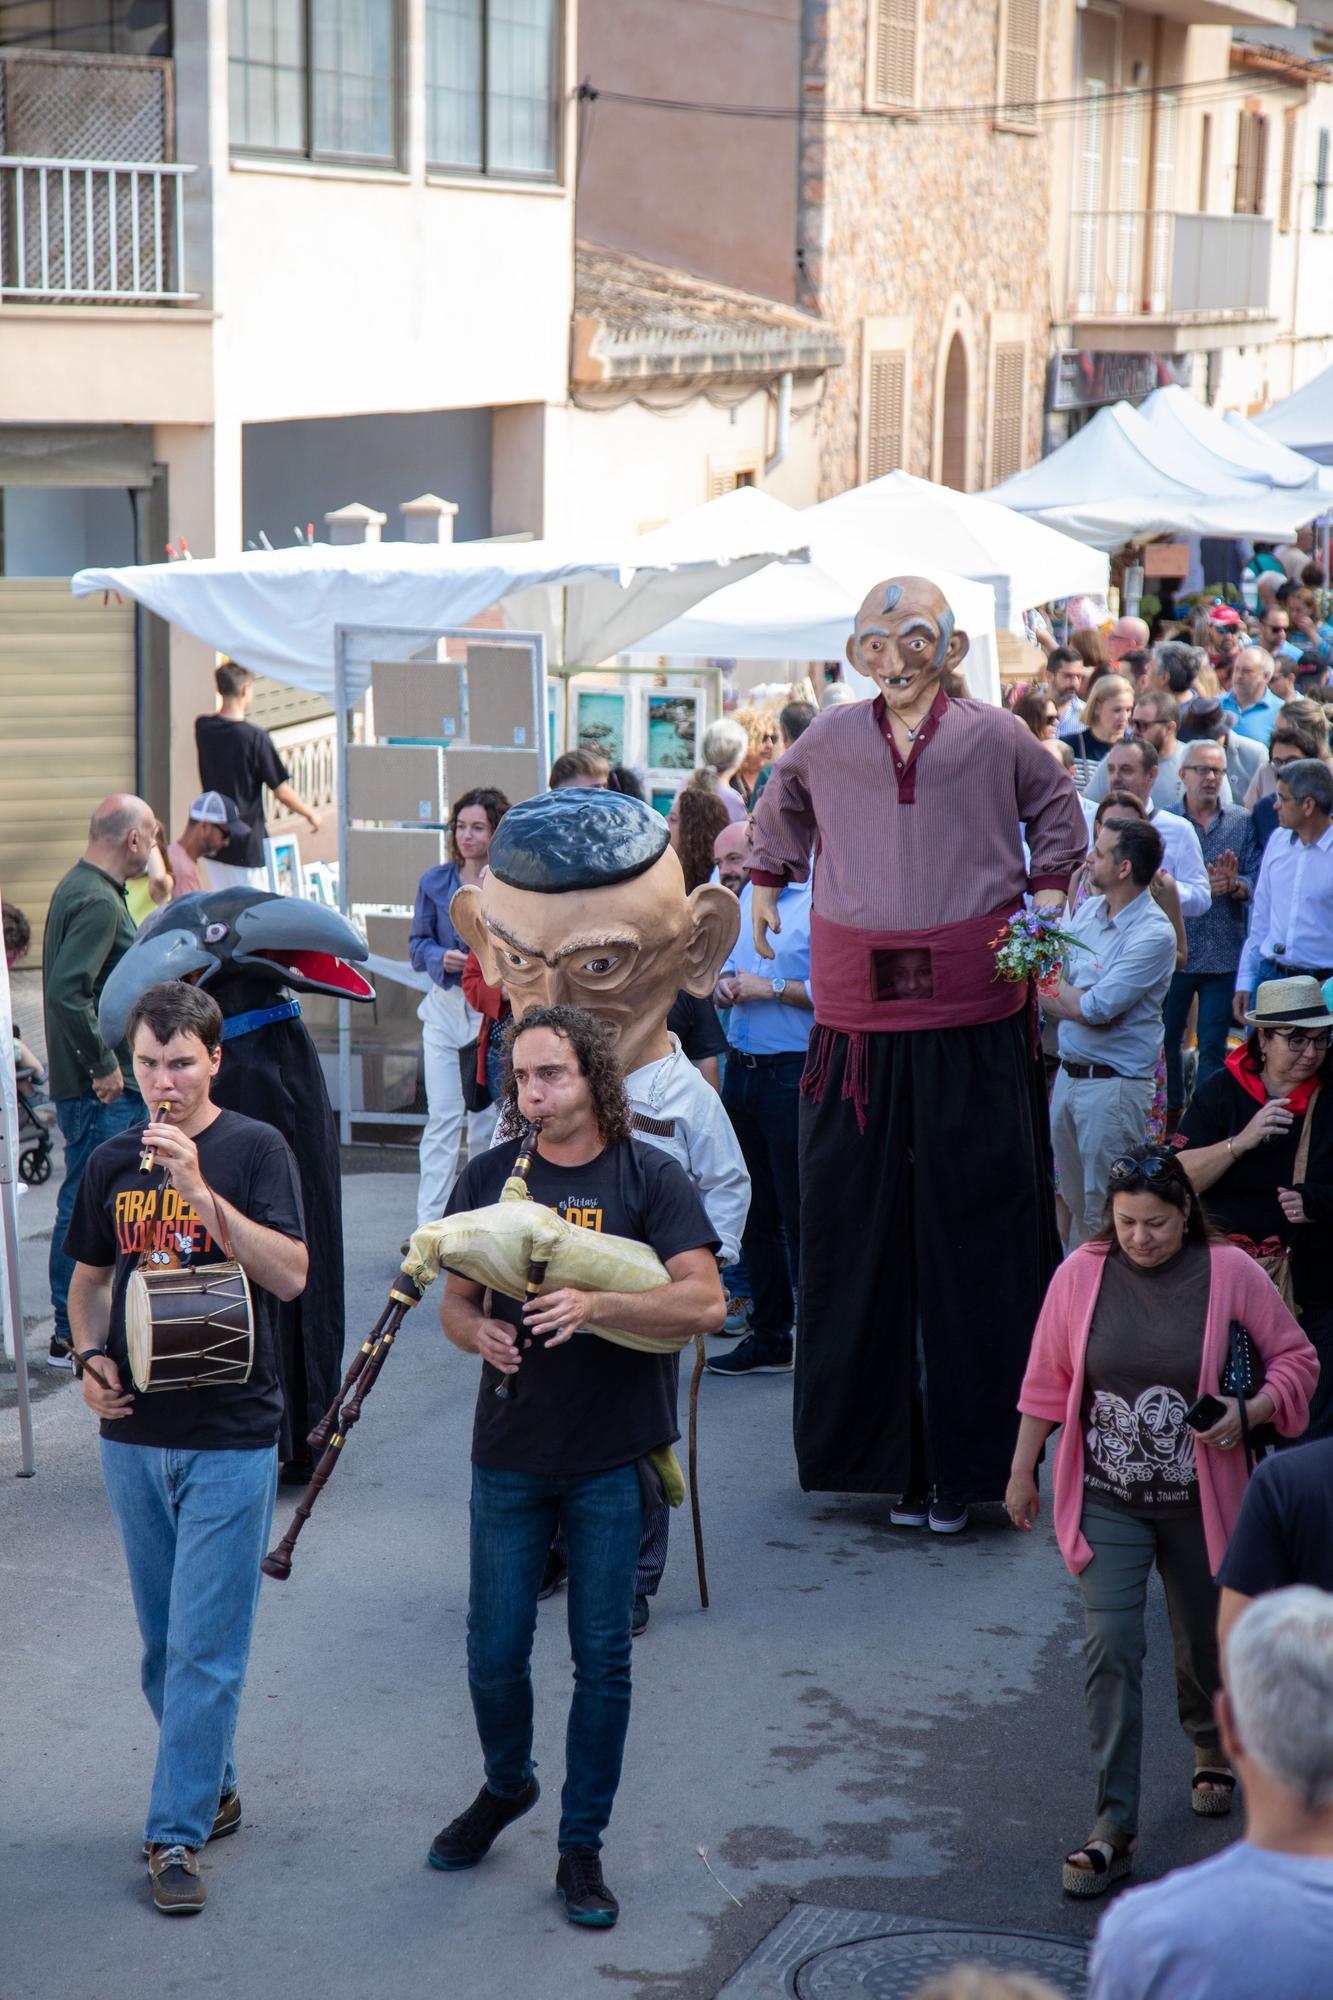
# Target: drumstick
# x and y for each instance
(146, 1156)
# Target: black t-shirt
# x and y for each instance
(694, 1023)
(1141, 1374)
(119, 1212)
(1243, 1201)
(238, 759)
(1285, 1530)
(587, 1405)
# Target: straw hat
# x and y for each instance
(1290, 1003)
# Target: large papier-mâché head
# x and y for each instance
(584, 905)
(906, 640)
(282, 939)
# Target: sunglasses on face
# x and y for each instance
(1297, 1039)
(1130, 1169)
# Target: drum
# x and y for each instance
(189, 1329)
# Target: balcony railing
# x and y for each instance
(92, 231)
(1177, 267)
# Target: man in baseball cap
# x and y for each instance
(212, 823)
(1226, 637)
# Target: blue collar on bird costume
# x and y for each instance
(260, 1017)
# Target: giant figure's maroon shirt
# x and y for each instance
(926, 853)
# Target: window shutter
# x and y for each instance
(895, 51)
(884, 414)
(1288, 175)
(726, 478)
(1321, 181)
(1007, 411)
(1251, 162)
(1022, 59)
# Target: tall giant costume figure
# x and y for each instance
(927, 1215)
(584, 905)
(251, 950)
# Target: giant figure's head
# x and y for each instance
(905, 640)
(584, 905)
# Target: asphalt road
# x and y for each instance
(867, 1717)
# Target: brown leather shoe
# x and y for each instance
(178, 1887)
(227, 1819)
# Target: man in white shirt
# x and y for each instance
(1256, 1918)
(1132, 767)
(1291, 931)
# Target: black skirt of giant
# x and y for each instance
(274, 1074)
(942, 1211)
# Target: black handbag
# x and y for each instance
(1243, 1378)
(476, 1095)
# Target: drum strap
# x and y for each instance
(224, 1234)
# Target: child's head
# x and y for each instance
(18, 934)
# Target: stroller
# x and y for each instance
(35, 1144)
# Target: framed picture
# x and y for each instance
(673, 729)
(663, 802)
(283, 858)
(321, 883)
(600, 723)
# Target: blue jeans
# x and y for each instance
(84, 1124)
(194, 1525)
(764, 1108)
(1215, 990)
(514, 1516)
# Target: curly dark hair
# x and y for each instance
(494, 804)
(594, 1047)
(700, 818)
(18, 932)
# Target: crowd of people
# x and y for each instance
(705, 1087)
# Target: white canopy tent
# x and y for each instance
(1120, 480)
(1024, 562)
(1304, 420)
(276, 611)
(1241, 451)
(807, 612)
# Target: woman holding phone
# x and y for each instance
(1132, 1336)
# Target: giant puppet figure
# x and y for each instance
(927, 1218)
(584, 905)
(253, 951)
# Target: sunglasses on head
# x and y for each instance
(1130, 1169)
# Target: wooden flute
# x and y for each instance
(146, 1156)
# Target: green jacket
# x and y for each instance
(88, 931)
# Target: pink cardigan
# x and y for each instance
(1053, 1385)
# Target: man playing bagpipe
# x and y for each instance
(570, 1431)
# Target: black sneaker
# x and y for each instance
(557, 1569)
(947, 1515)
(58, 1354)
(467, 1839)
(912, 1511)
(755, 1356)
(638, 1623)
(580, 1883)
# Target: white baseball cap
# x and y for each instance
(216, 809)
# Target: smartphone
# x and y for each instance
(1202, 1415)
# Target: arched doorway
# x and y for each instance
(954, 426)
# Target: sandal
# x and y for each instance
(1103, 1872)
(1211, 1791)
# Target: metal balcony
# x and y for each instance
(93, 231)
(1178, 272)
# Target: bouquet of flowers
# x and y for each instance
(1031, 945)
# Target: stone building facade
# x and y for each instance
(944, 319)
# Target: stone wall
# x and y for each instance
(943, 221)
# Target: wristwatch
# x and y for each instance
(779, 987)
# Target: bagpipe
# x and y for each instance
(520, 1248)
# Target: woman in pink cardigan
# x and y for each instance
(1133, 1329)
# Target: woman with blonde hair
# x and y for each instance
(765, 743)
(1106, 716)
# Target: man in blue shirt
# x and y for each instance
(1251, 701)
(771, 1015)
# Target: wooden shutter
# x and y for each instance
(1022, 60)
(895, 51)
(1007, 410)
(726, 478)
(1288, 174)
(886, 392)
(1251, 162)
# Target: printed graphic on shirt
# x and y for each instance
(1143, 1452)
(579, 1211)
(155, 1221)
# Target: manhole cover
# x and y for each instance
(891, 1968)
